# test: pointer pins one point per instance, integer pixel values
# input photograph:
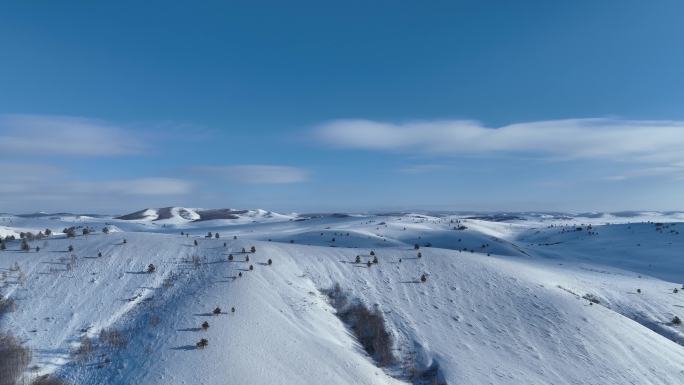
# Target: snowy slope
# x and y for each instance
(516, 316)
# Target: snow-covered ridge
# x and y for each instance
(178, 215)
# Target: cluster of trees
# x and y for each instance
(31, 237)
(25, 238)
(70, 232)
(369, 263)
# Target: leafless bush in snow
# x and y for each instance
(113, 338)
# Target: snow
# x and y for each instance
(510, 312)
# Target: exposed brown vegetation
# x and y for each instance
(14, 359)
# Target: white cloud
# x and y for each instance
(675, 171)
(258, 174)
(57, 193)
(34, 186)
(64, 135)
(614, 139)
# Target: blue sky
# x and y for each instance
(355, 105)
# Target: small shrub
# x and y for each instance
(230, 257)
(196, 261)
(591, 298)
(338, 299)
(676, 321)
(217, 311)
(358, 259)
(113, 338)
(205, 325)
(71, 248)
(151, 268)
(423, 278)
(251, 267)
(84, 349)
(253, 249)
(202, 343)
(168, 281)
(154, 320)
(270, 262)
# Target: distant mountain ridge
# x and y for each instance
(199, 215)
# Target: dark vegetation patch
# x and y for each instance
(7, 305)
(367, 325)
(14, 359)
(48, 380)
(369, 328)
(503, 217)
(208, 215)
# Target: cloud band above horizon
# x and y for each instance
(614, 139)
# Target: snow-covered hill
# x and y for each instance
(526, 299)
(183, 215)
